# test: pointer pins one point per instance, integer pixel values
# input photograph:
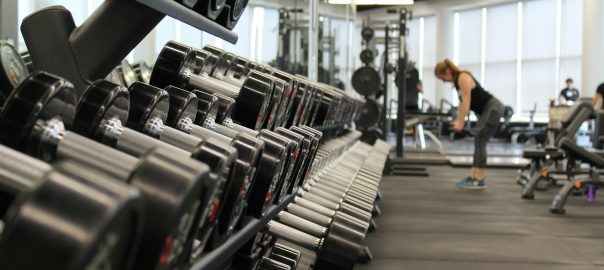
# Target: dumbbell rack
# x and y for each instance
(217, 258)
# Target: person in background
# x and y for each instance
(486, 106)
(599, 96)
(570, 93)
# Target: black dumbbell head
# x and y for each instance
(146, 102)
(183, 104)
(226, 106)
(207, 107)
(102, 100)
(254, 99)
(204, 61)
(239, 67)
(41, 96)
(173, 63)
(210, 9)
(221, 60)
(238, 7)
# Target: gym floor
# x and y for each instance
(427, 223)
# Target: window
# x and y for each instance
(538, 81)
(428, 59)
(470, 41)
(571, 38)
(522, 61)
(501, 53)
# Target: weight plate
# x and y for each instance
(367, 56)
(366, 81)
(370, 114)
(367, 33)
(13, 70)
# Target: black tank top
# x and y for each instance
(478, 96)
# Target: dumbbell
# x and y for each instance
(339, 226)
(271, 264)
(175, 65)
(309, 103)
(332, 251)
(285, 254)
(210, 9)
(325, 202)
(290, 147)
(33, 193)
(315, 138)
(231, 13)
(33, 121)
(207, 107)
(26, 57)
(181, 116)
(269, 174)
(230, 68)
(270, 166)
(349, 204)
(303, 157)
(298, 102)
(362, 197)
(287, 106)
(127, 73)
(226, 106)
(142, 71)
(104, 108)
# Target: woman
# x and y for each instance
(488, 109)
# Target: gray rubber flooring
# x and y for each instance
(427, 223)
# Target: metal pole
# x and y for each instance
(386, 61)
(402, 83)
(313, 39)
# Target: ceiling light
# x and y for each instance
(371, 2)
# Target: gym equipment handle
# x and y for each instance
(293, 235)
(301, 223)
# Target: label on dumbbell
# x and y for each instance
(102, 258)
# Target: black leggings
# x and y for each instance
(488, 124)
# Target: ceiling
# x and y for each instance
(370, 7)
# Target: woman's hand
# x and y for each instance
(457, 125)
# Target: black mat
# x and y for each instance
(427, 223)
